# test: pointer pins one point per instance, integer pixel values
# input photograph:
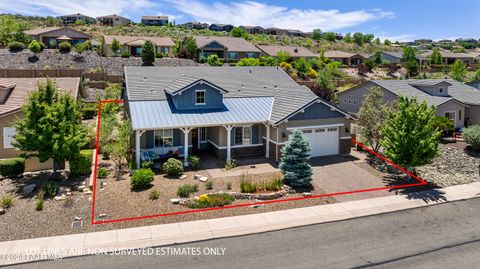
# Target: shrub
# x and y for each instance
(173, 167)
(142, 178)
(34, 47)
(39, 205)
(125, 55)
(232, 163)
(211, 200)
(247, 187)
(6, 201)
(65, 47)
(16, 46)
(194, 161)
(50, 189)
(273, 185)
(82, 164)
(185, 190)
(89, 111)
(102, 173)
(146, 165)
(472, 136)
(154, 195)
(12, 167)
(267, 185)
(214, 60)
(311, 73)
(229, 185)
(42, 46)
(209, 185)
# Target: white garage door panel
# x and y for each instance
(323, 141)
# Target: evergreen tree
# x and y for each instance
(186, 48)
(436, 56)
(115, 46)
(409, 139)
(458, 70)
(378, 57)
(148, 53)
(387, 42)
(295, 161)
(51, 127)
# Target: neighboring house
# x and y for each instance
(72, 18)
(454, 100)
(133, 45)
(229, 111)
(346, 58)
(275, 31)
(155, 20)
(475, 84)
(194, 25)
(295, 52)
(388, 56)
(113, 20)
(230, 48)
(13, 95)
(295, 33)
(451, 57)
(52, 36)
(253, 29)
(220, 27)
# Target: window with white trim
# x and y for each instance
(8, 137)
(202, 134)
(440, 90)
(163, 138)
(200, 97)
(243, 135)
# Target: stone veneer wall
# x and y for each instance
(345, 146)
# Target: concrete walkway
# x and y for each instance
(12, 252)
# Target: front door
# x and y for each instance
(194, 139)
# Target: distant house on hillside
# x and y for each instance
(388, 56)
(346, 58)
(133, 45)
(155, 20)
(113, 20)
(284, 32)
(194, 25)
(451, 57)
(73, 18)
(230, 48)
(221, 27)
(52, 36)
(295, 52)
(253, 29)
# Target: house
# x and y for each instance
(295, 33)
(155, 20)
(451, 57)
(133, 45)
(275, 31)
(253, 29)
(194, 25)
(52, 36)
(73, 18)
(228, 111)
(388, 56)
(220, 27)
(475, 84)
(295, 52)
(454, 100)
(230, 48)
(113, 20)
(346, 58)
(13, 95)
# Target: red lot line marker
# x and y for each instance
(421, 182)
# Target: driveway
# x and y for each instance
(347, 173)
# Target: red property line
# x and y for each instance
(421, 182)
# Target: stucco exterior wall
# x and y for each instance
(452, 106)
(352, 100)
(473, 114)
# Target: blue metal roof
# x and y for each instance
(150, 115)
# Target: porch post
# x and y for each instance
(185, 154)
(137, 148)
(229, 141)
(267, 141)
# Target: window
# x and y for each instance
(202, 134)
(243, 135)
(450, 115)
(460, 115)
(307, 131)
(319, 130)
(440, 90)
(163, 138)
(233, 55)
(332, 129)
(8, 135)
(200, 97)
(250, 55)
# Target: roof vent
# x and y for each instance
(251, 70)
(145, 78)
(295, 50)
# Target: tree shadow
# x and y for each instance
(33, 59)
(427, 193)
(472, 152)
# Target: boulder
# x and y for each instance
(197, 177)
(183, 177)
(306, 194)
(28, 189)
(78, 218)
(103, 215)
(60, 197)
(175, 201)
(203, 179)
(2, 211)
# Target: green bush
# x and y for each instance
(65, 47)
(211, 200)
(39, 205)
(89, 111)
(231, 164)
(42, 46)
(273, 185)
(125, 55)
(209, 185)
(16, 46)
(248, 187)
(173, 167)
(146, 165)
(472, 136)
(229, 185)
(102, 173)
(194, 161)
(142, 179)
(82, 164)
(50, 189)
(267, 185)
(12, 167)
(185, 190)
(154, 195)
(6, 201)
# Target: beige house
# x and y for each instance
(346, 58)
(294, 51)
(133, 45)
(230, 48)
(113, 20)
(13, 94)
(52, 36)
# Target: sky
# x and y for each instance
(402, 20)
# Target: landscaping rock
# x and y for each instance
(203, 179)
(60, 197)
(183, 177)
(103, 215)
(257, 206)
(28, 189)
(197, 177)
(307, 194)
(64, 189)
(2, 211)
(175, 201)
(77, 218)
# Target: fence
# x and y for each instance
(99, 78)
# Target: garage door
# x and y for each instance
(323, 141)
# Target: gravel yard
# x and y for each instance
(455, 165)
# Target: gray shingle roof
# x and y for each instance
(237, 44)
(149, 83)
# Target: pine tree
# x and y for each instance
(295, 161)
(409, 138)
(115, 46)
(148, 53)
